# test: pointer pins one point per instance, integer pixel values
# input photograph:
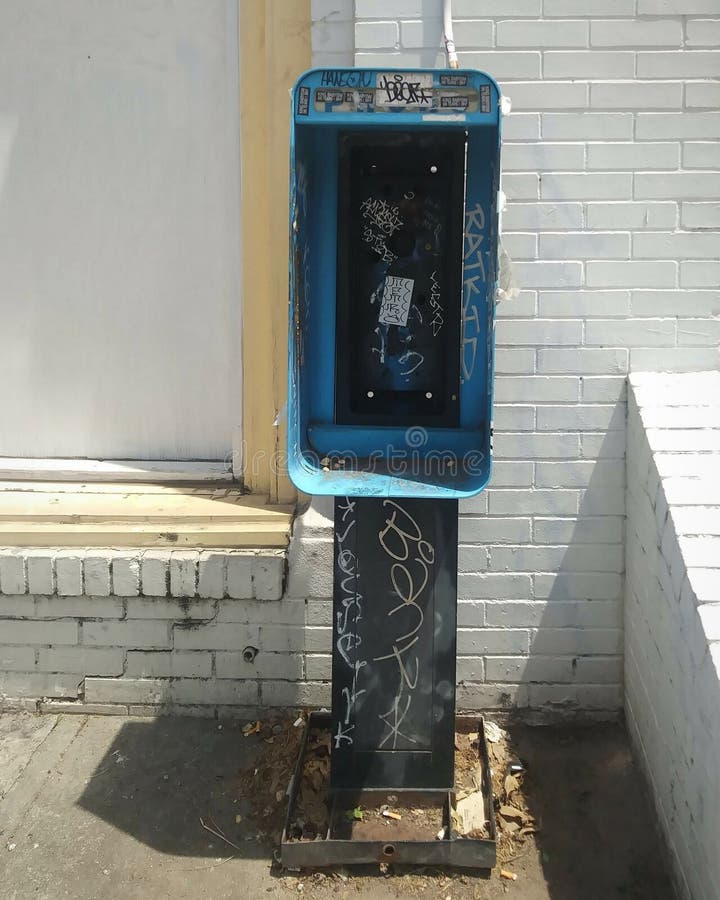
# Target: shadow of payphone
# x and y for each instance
(393, 266)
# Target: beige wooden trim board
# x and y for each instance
(37, 514)
(274, 49)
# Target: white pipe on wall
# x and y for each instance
(448, 37)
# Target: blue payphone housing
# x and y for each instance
(393, 267)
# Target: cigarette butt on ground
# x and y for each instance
(389, 814)
(511, 876)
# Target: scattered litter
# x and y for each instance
(471, 814)
(510, 876)
(217, 831)
(384, 869)
(264, 786)
(238, 819)
(11, 846)
(493, 732)
(389, 814)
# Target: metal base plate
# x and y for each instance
(331, 850)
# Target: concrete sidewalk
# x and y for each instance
(110, 807)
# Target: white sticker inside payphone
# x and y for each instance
(396, 299)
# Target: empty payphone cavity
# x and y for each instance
(394, 230)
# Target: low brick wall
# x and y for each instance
(143, 632)
(672, 613)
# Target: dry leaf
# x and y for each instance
(456, 820)
(512, 812)
(477, 777)
(511, 784)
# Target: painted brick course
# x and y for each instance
(177, 649)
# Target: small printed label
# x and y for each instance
(453, 102)
(404, 88)
(396, 299)
(453, 80)
(303, 103)
(324, 96)
(485, 98)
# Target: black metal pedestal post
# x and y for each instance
(394, 643)
(393, 694)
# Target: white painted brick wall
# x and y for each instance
(613, 179)
(143, 631)
(672, 615)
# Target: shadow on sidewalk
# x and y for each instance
(160, 777)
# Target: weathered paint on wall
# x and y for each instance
(119, 228)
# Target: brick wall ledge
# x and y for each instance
(672, 612)
(183, 574)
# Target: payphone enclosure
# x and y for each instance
(393, 267)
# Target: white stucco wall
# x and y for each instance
(119, 228)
